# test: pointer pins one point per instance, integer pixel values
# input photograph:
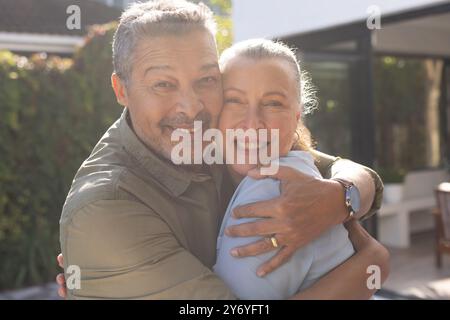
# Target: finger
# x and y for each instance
(283, 173)
(60, 260)
(253, 249)
(260, 209)
(62, 292)
(279, 259)
(60, 279)
(261, 227)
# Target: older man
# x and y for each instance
(139, 226)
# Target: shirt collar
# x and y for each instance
(175, 178)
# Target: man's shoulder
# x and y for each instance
(94, 185)
(99, 176)
(108, 182)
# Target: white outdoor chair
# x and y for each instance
(418, 195)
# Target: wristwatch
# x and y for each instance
(352, 197)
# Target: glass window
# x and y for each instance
(407, 114)
(330, 123)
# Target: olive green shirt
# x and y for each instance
(139, 227)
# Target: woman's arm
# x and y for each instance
(349, 280)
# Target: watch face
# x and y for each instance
(355, 198)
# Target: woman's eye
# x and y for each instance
(232, 100)
(272, 103)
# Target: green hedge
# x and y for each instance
(52, 112)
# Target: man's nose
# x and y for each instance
(189, 103)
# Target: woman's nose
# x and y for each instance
(252, 120)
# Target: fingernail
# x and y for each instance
(260, 273)
(234, 253)
(227, 232)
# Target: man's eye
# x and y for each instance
(208, 80)
(163, 85)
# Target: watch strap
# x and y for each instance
(348, 203)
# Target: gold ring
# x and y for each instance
(274, 242)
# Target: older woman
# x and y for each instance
(275, 101)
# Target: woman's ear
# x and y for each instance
(119, 89)
(298, 113)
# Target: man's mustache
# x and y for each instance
(181, 120)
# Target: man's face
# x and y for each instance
(175, 81)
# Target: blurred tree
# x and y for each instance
(53, 111)
(433, 83)
(222, 10)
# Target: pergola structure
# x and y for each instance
(345, 32)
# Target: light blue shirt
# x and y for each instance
(307, 265)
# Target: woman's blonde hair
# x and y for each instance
(265, 49)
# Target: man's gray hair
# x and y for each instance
(153, 19)
(263, 49)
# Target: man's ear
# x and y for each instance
(119, 89)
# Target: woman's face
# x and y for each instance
(259, 94)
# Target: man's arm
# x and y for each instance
(126, 251)
(306, 208)
(367, 180)
(349, 280)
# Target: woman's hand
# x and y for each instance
(306, 208)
